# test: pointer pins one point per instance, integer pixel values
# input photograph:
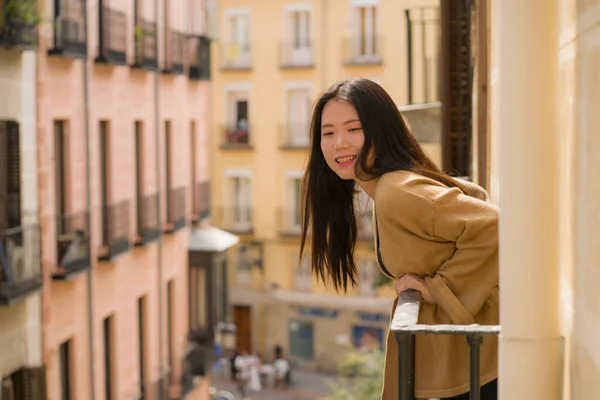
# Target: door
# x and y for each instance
(299, 111)
(301, 340)
(239, 50)
(301, 46)
(242, 319)
(241, 199)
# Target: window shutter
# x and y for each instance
(14, 175)
(3, 175)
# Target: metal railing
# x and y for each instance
(145, 45)
(405, 326)
(113, 36)
(148, 223)
(236, 136)
(201, 200)
(72, 244)
(175, 49)
(176, 210)
(363, 49)
(115, 230)
(199, 58)
(236, 219)
(295, 135)
(236, 56)
(20, 263)
(19, 23)
(289, 222)
(297, 55)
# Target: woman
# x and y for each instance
(433, 233)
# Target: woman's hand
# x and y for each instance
(411, 281)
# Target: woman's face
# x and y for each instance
(342, 137)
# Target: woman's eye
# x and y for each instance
(355, 129)
(326, 133)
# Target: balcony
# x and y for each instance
(295, 136)
(236, 137)
(362, 50)
(148, 223)
(115, 230)
(145, 46)
(70, 39)
(176, 210)
(112, 37)
(20, 264)
(235, 219)
(18, 25)
(72, 245)
(199, 58)
(176, 44)
(201, 206)
(236, 56)
(297, 55)
(289, 222)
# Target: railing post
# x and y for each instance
(474, 341)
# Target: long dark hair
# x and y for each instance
(328, 200)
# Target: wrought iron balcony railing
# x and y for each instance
(288, 222)
(199, 58)
(297, 54)
(404, 326)
(18, 23)
(175, 52)
(72, 245)
(70, 38)
(236, 136)
(235, 219)
(363, 50)
(148, 222)
(115, 230)
(112, 37)
(145, 45)
(20, 264)
(236, 56)
(295, 135)
(201, 201)
(176, 210)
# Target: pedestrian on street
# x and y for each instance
(433, 233)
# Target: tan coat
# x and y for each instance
(424, 228)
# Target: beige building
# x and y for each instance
(21, 367)
(270, 61)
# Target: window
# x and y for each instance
(139, 170)
(302, 278)
(237, 32)
(239, 198)
(367, 277)
(243, 265)
(298, 46)
(60, 161)
(198, 298)
(193, 153)
(65, 370)
(298, 115)
(292, 199)
(168, 170)
(105, 177)
(364, 43)
(170, 327)
(108, 386)
(141, 317)
(237, 129)
(10, 175)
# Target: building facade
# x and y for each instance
(122, 104)
(21, 365)
(271, 61)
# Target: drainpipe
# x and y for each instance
(531, 346)
(88, 202)
(160, 238)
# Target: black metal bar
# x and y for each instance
(409, 58)
(474, 341)
(406, 366)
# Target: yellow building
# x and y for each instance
(271, 59)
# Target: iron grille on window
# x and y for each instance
(19, 22)
(70, 38)
(145, 45)
(112, 36)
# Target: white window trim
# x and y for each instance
(364, 3)
(298, 7)
(235, 12)
(354, 25)
(236, 173)
(288, 176)
(296, 85)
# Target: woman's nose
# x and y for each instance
(341, 141)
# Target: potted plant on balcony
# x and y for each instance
(20, 21)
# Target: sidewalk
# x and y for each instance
(306, 385)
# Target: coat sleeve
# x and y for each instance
(465, 281)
